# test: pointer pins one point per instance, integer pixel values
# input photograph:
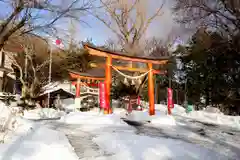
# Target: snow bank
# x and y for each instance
(209, 115)
(68, 101)
(20, 127)
(32, 141)
(8, 122)
(161, 108)
(5, 116)
(70, 108)
(119, 111)
(139, 116)
(214, 118)
(211, 109)
(43, 113)
(176, 110)
(158, 119)
(92, 120)
(69, 104)
(136, 147)
(163, 120)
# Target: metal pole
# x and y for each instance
(50, 74)
(26, 66)
(177, 95)
(185, 97)
(169, 77)
(155, 89)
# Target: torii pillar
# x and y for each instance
(151, 90)
(108, 82)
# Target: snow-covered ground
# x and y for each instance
(204, 116)
(32, 141)
(140, 147)
(166, 137)
(22, 139)
(94, 136)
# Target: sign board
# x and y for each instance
(102, 95)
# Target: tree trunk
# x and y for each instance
(24, 90)
(1, 83)
(32, 90)
(2, 78)
(1, 44)
(207, 96)
(158, 93)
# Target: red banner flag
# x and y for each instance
(102, 95)
(139, 101)
(58, 42)
(170, 100)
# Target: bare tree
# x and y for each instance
(112, 45)
(223, 15)
(159, 48)
(129, 20)
(37, 16)
(35, 78)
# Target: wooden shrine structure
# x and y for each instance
(76, 77)
(110, 55)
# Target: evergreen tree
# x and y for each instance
(211, 69)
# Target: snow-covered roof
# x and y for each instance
(52, 87)
(55, 90)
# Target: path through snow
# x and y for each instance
(213, 138)
(81, 141)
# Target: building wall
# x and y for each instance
(66, 86)
(6, 82)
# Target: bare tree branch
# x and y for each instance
(128, 20)
(39, 67)
(223, 15)
(26, 16)
(12, 57)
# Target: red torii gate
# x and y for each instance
(76, 77)
(109, 55)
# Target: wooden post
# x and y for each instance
(151, 90)
(108, 82)
(78, 86)
(156, 91)
(77, 97)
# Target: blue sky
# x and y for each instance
(4, 10)
(162, 26)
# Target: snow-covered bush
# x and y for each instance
(211, 109)
(139, 116)
(43, 113)
(7, 120)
